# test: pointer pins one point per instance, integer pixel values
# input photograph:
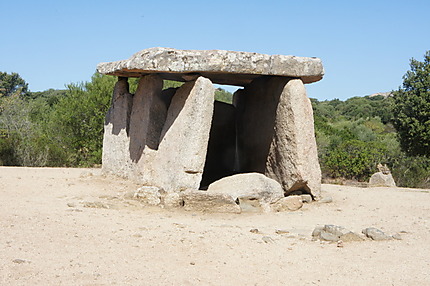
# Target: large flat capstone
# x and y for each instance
(241, 67)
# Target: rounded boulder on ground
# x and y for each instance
(254, 186)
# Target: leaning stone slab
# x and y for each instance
(251, 186)
(178, 162)
(202, 201)
(241, 67)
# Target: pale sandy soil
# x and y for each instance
(48, 237)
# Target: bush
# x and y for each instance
(413, 172)
(353, 159)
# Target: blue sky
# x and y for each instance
(365, 45)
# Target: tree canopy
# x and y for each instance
(412, 108)
(12, 84)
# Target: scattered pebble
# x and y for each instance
(267, 239)
(375, 234)
(397, 236)
(254, 230)
(20, 261)
(326, 200)
(97, 205)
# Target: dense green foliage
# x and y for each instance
(412, 108)
(65, 128)
(352, 140)
(12, 84)
(56, 128)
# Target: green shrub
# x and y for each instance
(413, 172)
(353, 159)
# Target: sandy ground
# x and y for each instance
(55, 231)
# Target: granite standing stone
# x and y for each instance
(116, 157)
(179, 161)
(276, 134)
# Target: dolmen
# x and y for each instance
(181, 140)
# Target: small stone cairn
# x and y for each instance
(383, 178)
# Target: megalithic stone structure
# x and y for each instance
(179, 139)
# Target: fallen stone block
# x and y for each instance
(290, 203)
(202, 201)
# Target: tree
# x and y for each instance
(80, 117)
(412, 108)
(12, 84)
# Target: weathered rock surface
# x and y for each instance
(179, 161)
(203, 201)
(290, 203)
(375, 234)
(326, 200)
(116, 140)
(350, 236)
(249, 186)
(251, 205)
(172, 200)
(242, 67)
(306, 198)
(276, 137)
(380, 179)
(335, 233)
(149, 195)
(293, 157)
(147, 117)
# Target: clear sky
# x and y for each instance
(365, 45)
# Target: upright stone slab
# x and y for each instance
(116, 157)
(148, 116)
(276, 134)
(293, 156)
(179, 161)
